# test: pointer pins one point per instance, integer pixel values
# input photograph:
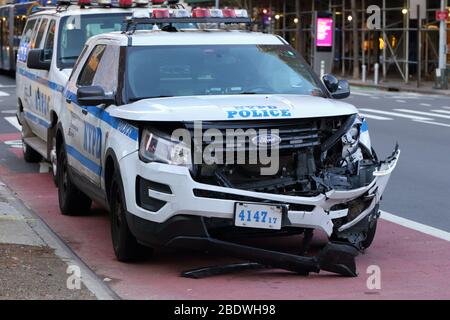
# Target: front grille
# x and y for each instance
(294, 134)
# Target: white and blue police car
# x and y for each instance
(50, 44)
(145, 131)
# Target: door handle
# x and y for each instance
(68, 100)
(84, 111)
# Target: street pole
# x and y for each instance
(217, 4)
(443, 50)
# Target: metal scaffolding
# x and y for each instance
(404, 48)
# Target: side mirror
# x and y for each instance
(35, 60)
(93, 96)
(339, 89)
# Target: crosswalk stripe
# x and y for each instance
(370, 116)
(401, 101)
(362, 94)
(423, 113)
(442, 111)
(434, 123)
(13, 121)
(4, 94)
(425, 105)
(395, 114)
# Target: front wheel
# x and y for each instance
(72, 202)
(126, 247)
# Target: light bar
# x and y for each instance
(160, 13)
(201, 13)
(125, 3)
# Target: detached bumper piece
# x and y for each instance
(336, 258)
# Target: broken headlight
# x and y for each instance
(159, 147)
(351, 140)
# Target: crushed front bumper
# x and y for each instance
(172, 192)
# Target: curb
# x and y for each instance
(394, 88)
(90, 279)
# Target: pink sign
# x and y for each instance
(324, 35)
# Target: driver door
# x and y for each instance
(89, 124)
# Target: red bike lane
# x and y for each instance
(413, 265)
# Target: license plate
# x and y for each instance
(262, 216)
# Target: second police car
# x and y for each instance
(189, 136)
(49, 47)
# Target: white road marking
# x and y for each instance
(362, 94)
(395, 114)
(423, 113)
(434, 123)
(4, 94)
(369, 116)
(446, 107)
(7, 85)
(400, 101)
(376, 98)
(442, 111)
(438, 233)
(12, 111)
(425, 104)
(13, 121)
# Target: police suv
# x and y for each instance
(190, 136)
(50, 45)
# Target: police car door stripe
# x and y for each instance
(37, 120)
(118, 124)
(52, 85)
(86, 162)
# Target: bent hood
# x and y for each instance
(233, 107)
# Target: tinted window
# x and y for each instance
(86, 77)
(40, 34)
(155, 71)
(75, 30)
(48, 47)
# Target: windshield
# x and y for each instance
(165, 71)
(75, 30)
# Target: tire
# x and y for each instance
(72, 202)
(126, 247)
(29, 154)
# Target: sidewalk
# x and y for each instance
(33, 265)
(426, 87)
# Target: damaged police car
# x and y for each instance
(190, 136)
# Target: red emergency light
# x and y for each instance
(160, 13)
(125, 3)
(229, 13)
(201, 13)
(83, 3)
